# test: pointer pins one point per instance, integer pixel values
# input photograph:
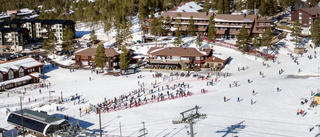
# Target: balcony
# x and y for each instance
(169, 61)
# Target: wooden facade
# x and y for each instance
(19, 72)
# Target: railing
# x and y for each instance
(169, 60)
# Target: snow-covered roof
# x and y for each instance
(35, 74)
(33, 16)
(15, 80)
(15, 64)
(188, 7)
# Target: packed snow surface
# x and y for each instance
(273, 113)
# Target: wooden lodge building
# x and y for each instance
(306, 16)
(19, 72)
(226, 25)
(85, 57)
(178, 57)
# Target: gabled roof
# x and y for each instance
(110, 52)
(16, 64)
(312, 11)
(187, 7)
(179, 51)
(215, 59)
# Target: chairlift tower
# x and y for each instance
(189, 116)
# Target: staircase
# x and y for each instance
(183, 65)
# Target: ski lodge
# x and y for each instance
(19, 72)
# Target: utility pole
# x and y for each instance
(120, 129)
(100, 121)
(61, 97)
(188, 117)
(144, 129)
(21, 118)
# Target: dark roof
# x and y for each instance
(180, 51)
(312, 11)
(110, 52)
(6, 30)
(43, 21)
(37, 115)
(300, 5)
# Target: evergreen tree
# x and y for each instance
(268, 7)
(296, 32)
(191, 27)
(267, 38)
(177, 41)
(243, 39)
(49, 44)
(93, 36)
(315, 32)
(220, 7)
(255, 42)
(206, 6)
(100, 58)
(226, 6)
(125, 58)
(198, 41)
(68, 36)
(211, 29)
(154, 25)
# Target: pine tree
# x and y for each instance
(267, 38)
(206, 6)
(255, 42)
(177, 41)
(243, 39)
(198, 41)
(49, 44)
(211, 29)
(315, 32)
(93, 36)
(68, 36)
(191, 27)
(296, 32)
(100, 58)
(220, 7)
(125, 58)
(226, 6)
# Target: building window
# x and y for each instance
(1, 77)
(107, 64)
(197, 58)
(21, 72)
(11, 75)
(85, 63)
(115, 64)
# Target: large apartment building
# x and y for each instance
(227, 26)
(41, 28)
(13, 39)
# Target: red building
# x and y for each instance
(306, 16)
(85, 57)
(178, 57)
(19, 72)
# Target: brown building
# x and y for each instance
(85, 57)
(215, 62)
(227, 26)
(306, 16)
(19, 72)
(179, 57)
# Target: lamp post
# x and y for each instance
(22, 118)
(318, 71)
(49, 96)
